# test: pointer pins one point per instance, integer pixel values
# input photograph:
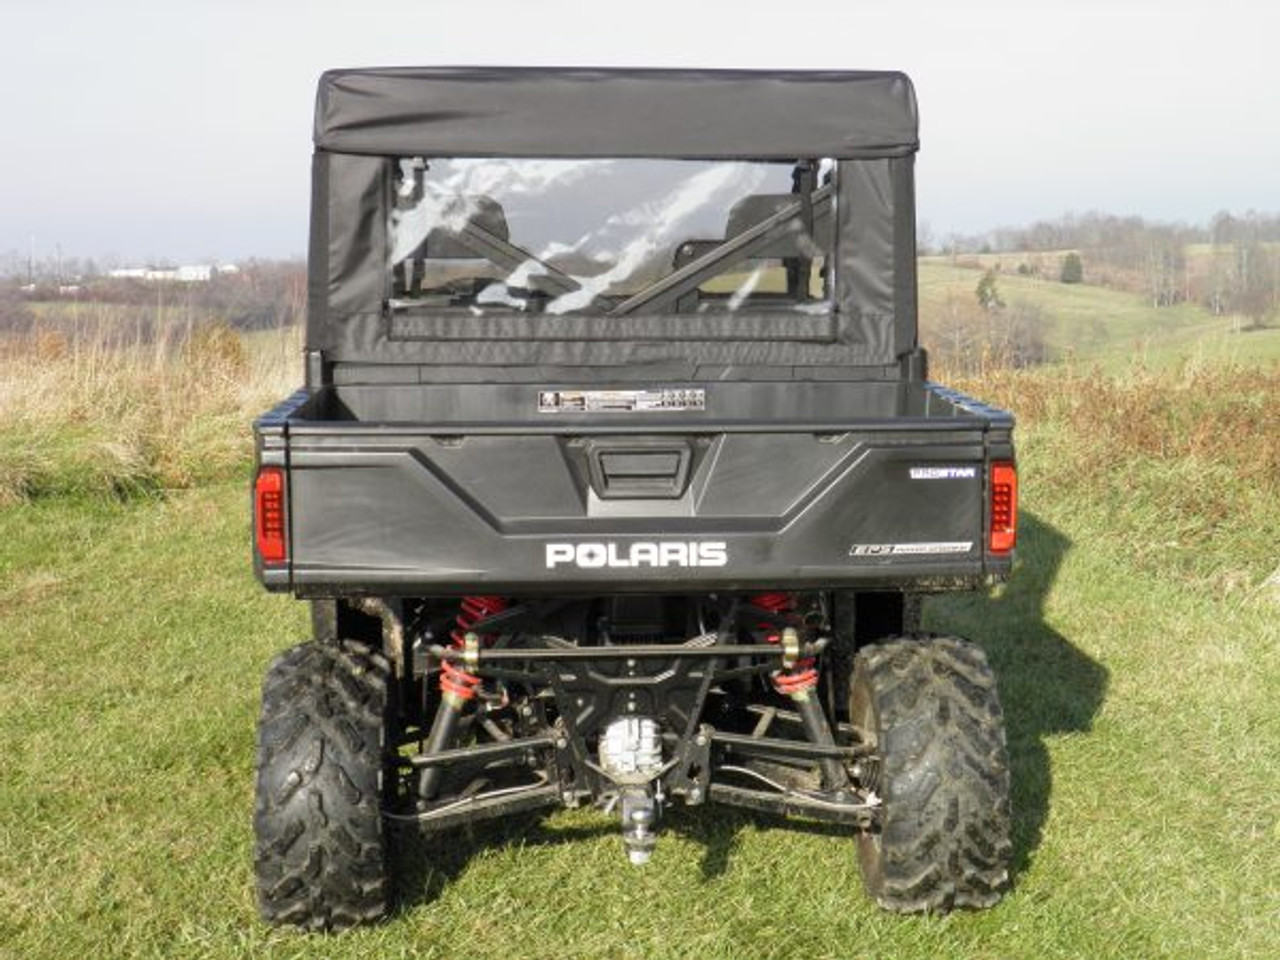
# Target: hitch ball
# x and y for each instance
(639, 814)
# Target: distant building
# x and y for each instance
(193, 273)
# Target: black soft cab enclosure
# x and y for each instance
(518, 275)
(614, 414)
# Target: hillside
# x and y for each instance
(1096, 324)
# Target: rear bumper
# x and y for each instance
(913, 578)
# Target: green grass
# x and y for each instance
(1138, 655)
(1112, 327)
(1212, 344)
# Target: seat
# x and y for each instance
(797, 247)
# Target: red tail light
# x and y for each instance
(1004, 507)
(268, 515)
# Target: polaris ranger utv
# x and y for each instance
(617, 479)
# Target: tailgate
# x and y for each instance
(557, 507)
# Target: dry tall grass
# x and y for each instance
(1189, 458)
(88, 415)
(1214, 414)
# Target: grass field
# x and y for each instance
(1111, 327)
(1137, 649)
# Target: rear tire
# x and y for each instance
(320, 857)
(942, 775)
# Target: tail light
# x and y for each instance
(1004, 508)
(268, 515)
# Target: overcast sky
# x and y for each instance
(180, 130)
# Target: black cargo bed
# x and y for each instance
(441, 489)
(772, 406)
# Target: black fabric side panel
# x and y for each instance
(905, 306)
(865, 256)
(348, 373)
(357, 242)
(318, 255)
(555, 112)
(693, 327)
(362, 338)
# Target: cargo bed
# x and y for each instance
(436, 489)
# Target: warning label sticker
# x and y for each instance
(671, 400)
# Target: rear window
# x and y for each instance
(611, 237)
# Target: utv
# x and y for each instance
(617, 479)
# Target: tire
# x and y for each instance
(320, 856)
(942, 774)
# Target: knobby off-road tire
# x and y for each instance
(320, 857)
(943, 775)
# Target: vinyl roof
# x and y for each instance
(587, 112)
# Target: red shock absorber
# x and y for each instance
(801, 678)
(775, 602)
(795, 682)
(476, 609)
(457, 686)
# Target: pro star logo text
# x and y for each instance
(663, 553)
(943, 473)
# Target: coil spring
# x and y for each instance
(453, 679)
(804, 675)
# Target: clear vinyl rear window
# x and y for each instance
(611, 237)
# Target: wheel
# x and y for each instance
(941, 771)
(320, 856)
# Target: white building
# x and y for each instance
(192, 273)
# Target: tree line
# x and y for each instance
(260, 294)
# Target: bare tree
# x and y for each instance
(1256, 283)
(1164, 266)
